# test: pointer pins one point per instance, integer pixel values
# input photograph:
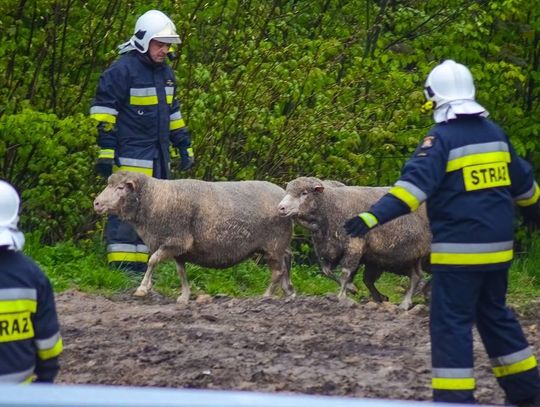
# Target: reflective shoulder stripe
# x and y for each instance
(530, 197)
(13, 300)
(481, 153)
(143, 96)
(471, 253)
(18, 293)
(369, 219)
(410, 194)
(18, 377)
(52, 351)
(453, 379)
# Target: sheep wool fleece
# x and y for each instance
(139, 118)
(469, 175)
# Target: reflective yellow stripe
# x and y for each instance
(369, 219)
(471, 258)
(169, 99)
(106, 153)
(405, 196)
(530, 201)
(45, 354)
(142, 170)
(16, 327)
(143, 100)
(104, 117)
(13, 306)
(474, 159)
(176, 124)
(190, 152)
(452, 383)
(125, 256)
(518, 367)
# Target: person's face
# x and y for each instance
(158, 51)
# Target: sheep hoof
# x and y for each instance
(140, 292)
(182, 300)
(405, 306)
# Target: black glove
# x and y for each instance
(104, 166)
(359, 225)
(187, 159)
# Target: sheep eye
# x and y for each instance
(304, 193)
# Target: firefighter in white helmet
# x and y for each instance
(139, 118)
(468, 173)
(30, 341)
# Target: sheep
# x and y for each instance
(400, 246)
(211, 224)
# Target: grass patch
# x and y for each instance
(83, 266)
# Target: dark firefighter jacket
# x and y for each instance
(139, 115)
(30, 339)
(469, 175)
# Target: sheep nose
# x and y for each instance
(282, 210)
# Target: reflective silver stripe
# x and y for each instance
(176, 116)
(471, 247)
(135, 162)
(47, 343)
(169, 90)
(141, 248)
(18, 293)
(512, 358)
(528, 194)
(452, 372)
(477, 148)
(413, 190)
(122, 247)
(143, 92)
(18, 377)
(103, 109)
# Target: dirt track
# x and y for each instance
(312, 345)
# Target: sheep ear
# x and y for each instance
(131, 185)
(318, 188)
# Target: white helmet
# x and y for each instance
(9, 205)
(153, 25)
(449, 81)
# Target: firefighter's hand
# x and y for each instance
(360, 224)
(187, 159)
(104, 166)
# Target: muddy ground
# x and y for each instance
(311, 345)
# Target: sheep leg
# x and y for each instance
(347, 276)
(371, 275)
(146, 283)
(277, 275)
(186, 289)
(286, 284)
(416, 276)
(327, 271)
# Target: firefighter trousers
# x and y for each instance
(460, 300)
